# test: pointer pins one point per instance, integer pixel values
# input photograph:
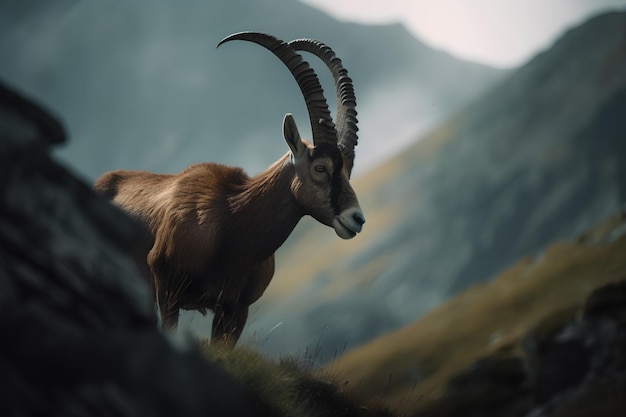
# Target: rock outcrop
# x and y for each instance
(79, 330)
(571, 364)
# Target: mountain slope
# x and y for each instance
(539, 158)
(141, 85)
(482, 346)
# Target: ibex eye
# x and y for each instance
(320, 168)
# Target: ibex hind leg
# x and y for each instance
(228, 324)
(168, 290)
(168, 306)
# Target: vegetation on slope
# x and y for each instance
(488, 328)
(289, 387)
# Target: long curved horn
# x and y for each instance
(322, 125)
(346, 101)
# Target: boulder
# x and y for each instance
(78, 324)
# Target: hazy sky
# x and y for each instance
(502, 33)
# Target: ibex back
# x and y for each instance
(214, 230)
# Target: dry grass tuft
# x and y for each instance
(290, 387)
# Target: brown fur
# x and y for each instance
(215, 230)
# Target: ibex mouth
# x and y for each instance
(349, 223)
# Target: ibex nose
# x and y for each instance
(349, 222)
(358, 218)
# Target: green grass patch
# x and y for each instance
(289, 387)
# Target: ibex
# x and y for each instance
(214, 229)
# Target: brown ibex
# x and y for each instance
(214, 230)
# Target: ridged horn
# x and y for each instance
(346, 101)
(322, 126)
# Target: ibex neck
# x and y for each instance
(265, 210)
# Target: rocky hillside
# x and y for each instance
(538, 159)
(544, 338)
(78, 325)
(141, 85)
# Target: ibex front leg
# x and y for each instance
(228, 324)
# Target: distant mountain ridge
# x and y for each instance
(141, 86)
(537, 159)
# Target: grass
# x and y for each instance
(290, 387)
(533, 296)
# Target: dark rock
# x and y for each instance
(581, 369)
(564, 364)
(608, 301)
(496, 385)
(79, 330)
(573, 363)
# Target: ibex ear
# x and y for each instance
(292, 136)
